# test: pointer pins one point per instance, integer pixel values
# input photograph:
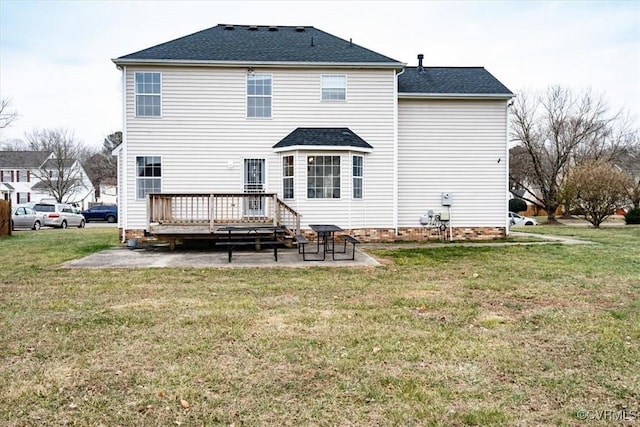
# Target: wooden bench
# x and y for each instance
(302, 244)
(347, 240)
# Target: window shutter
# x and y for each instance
(17, 197)
(28, 194)
(1, 176)
(12, 177)
(28, 176)
(17, 176)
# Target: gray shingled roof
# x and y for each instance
(22, 159)
(314, 137)
(244, 43)
(450, 80)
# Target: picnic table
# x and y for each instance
(326, 235)
(251, 235)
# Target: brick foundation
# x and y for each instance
(380, 235)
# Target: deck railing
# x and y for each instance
(220, 209)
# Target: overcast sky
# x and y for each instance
(55, 56)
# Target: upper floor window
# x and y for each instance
(334, 88)
(358, 173)
(148, 93)
(323, 177)
(259, 95)
(148, 175)
(287, 177)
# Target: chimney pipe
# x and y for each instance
(420, 67)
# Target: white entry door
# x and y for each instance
(254, 181)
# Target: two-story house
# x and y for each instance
(337, 132)
(30, 176)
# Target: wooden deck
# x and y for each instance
(182, 216)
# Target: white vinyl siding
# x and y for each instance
(204, 135)
(457, 147)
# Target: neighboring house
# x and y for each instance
(22, 174)
(340, 133)
(108, 194)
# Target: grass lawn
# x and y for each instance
(452, 336)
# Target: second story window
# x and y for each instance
(148, 94)
(334, 88)
(259, 95)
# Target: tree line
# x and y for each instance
(570, 151)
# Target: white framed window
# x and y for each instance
(334, 87)
(287, 177)
(148, 175)
(323, 177)
(259, 96)
(357, 174)
(148, 88)
(24, 197)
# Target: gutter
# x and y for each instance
(280, 64)
(499, 96)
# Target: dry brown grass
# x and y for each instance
(449, 336)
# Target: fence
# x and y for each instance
(5, 218)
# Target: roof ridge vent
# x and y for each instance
(273, 28)
(299, 29)
(420, 67)
(253, 28)
(229, 27)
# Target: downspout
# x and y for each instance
(395, 153)
(506, 157)
(123, 191)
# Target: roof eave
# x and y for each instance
(322, 148)
(501, 96)
(282, 64)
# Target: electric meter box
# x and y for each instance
(447, 199)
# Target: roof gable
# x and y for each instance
(449, 81)
(255, 43)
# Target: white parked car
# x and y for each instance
(515, 219)
(60, 215)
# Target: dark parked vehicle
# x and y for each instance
(107, 213)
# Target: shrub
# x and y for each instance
(517, 205)
(633, 216)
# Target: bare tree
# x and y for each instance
(552, 130)
(7, 115)
(596, 188)
(101, 166)
(61, 174)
